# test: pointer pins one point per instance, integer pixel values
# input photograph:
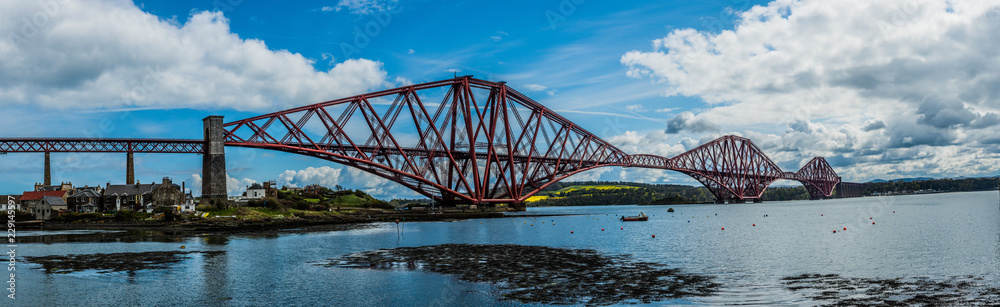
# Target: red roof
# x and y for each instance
(37, 195)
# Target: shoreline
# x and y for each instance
(238, 225)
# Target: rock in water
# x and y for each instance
(543, 275)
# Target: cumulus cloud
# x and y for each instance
(873, 124)
(859, 81)
(687, 121)
(236, 187)
(111, 54)
(324, 176)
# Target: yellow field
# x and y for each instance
(536, 198)
(576, 188)
(594, 187)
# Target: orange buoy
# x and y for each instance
(654, 236)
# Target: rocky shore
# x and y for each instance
(255, 224)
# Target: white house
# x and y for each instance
(255, 191)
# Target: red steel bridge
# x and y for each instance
(461, 140)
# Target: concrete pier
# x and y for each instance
(48, 170)
(213, 184)
(129, 169)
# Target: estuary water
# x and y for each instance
(747, 248)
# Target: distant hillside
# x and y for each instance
(594, 193)
(902, 180)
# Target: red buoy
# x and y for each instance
(834, 231)
(654, 236)
(623, 228)
(570, 231)
(869, 218)
(723, 228)
(845, 228)
(754, 225)
(602, 229)
(873, 223)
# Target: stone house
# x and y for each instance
(86, 200)
(31, 199)
(134, 197)
(50, 206)
(65, 186)
(167, 194)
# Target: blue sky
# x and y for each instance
(883, 90)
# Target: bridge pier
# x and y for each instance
(48, 170)
(129, 169)
(213, 174)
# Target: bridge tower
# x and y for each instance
(213, 181)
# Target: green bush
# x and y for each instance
(22, 216)
(207, 208)
(130, 216)
(74, 217)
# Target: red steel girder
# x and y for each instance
(818, 177)
(12, 145)
(482, 143)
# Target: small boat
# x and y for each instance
(637, 218)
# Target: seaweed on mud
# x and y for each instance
(546, 275)
(919, 291)
(116, 262)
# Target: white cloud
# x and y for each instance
(500, 35)
(403, 81)
(329, 9)
(324, 176)
(110, 54)
(535, 87)
(635, 108)
(410, 51)
(236, 187)
(365, 7)
(863, 83)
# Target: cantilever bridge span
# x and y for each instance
(461, 140)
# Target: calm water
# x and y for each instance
(936, 236)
